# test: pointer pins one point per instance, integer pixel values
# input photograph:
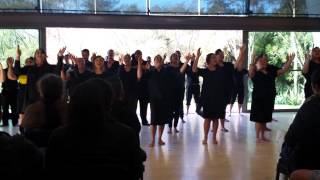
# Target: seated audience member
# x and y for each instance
(19, 158)
(305, 174)
(302, 139)
(92, 144)
(43, 116)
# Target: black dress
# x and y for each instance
(76, 78)
(213, 93)
(227, 74)
(22, 87)
(130, 87)
(161, 86)
(263, 95)
(307, 87)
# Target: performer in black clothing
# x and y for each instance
(182, 77)
(178, 92)
(143, 92)
(161, 86)
(193, 86)
(9, 94)
(112, 65)
(311, 64)
(41, 67)
(99, 68)
(85, 55)
(214, 91)
(77, 75)
(238, 89)
(263, 77)
(128, 76)
(228, 73)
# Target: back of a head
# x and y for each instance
(117, 87)
(90, 104)
(50, 88)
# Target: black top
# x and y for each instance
(114, 68)
(238, 78)
(104, 75)
(161, 84)
(76, 78)
(179, 79)
(88, 65)
(34, 73)
(9, 86)
(304, 133)
(264, 84)
(192, 78)
(129, 81)
(212, 87)
(143, 89)
(114, 153)
(313, 66)
(227, 74)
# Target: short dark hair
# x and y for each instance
(85, 51)
(209, 57)
(218, 51)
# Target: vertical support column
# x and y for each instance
(42, 38)
(148, 7)
(245, 40)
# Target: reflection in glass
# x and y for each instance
(69, 6)
(272, 7)
(20, 5)
(174, 7)
(223, 7)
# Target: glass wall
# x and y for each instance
(27, 39)
(151, 42)
(288, 8)
(276, 45)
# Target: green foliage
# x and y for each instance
(276, 45)
(10, 38)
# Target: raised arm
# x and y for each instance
(139, 70)
(2, 76)
(60, 61)
(252, 66)
(306, 64)
(10, 72)
(195, 63)
(239, 63)
(16, 67)
(286, 66)
(185, 64)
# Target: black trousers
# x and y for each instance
(176, 112)
(9, 99)
(143, 101)
(194, 90)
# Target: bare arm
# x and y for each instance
(252, 66)
(10, 73)
(139, 70)
(287, 65)
(185, 64)
(195, 63)
(239, 63)
(2, 76)
(306, 64)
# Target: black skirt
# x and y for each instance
(262, 109)
(160, 112)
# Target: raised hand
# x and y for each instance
(198, 53)
(18, 53)
(307, 57)
(164, 56)
(188, 57)
(253, 58)
(10, 62)
(61, 51)
(243, 47)
(291, 56)
(94, 55)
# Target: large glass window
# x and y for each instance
(223, 7)
(307, 8)
(69, 6)
(18, 5)
(174, 7)
(276, 45)
(27, 39)
(272, 7)
(151, 42)
(121, 6)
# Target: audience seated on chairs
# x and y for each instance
(43, 116)
(92, 144)
(19, 158)
(302, 145)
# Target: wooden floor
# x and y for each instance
(236, 157)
